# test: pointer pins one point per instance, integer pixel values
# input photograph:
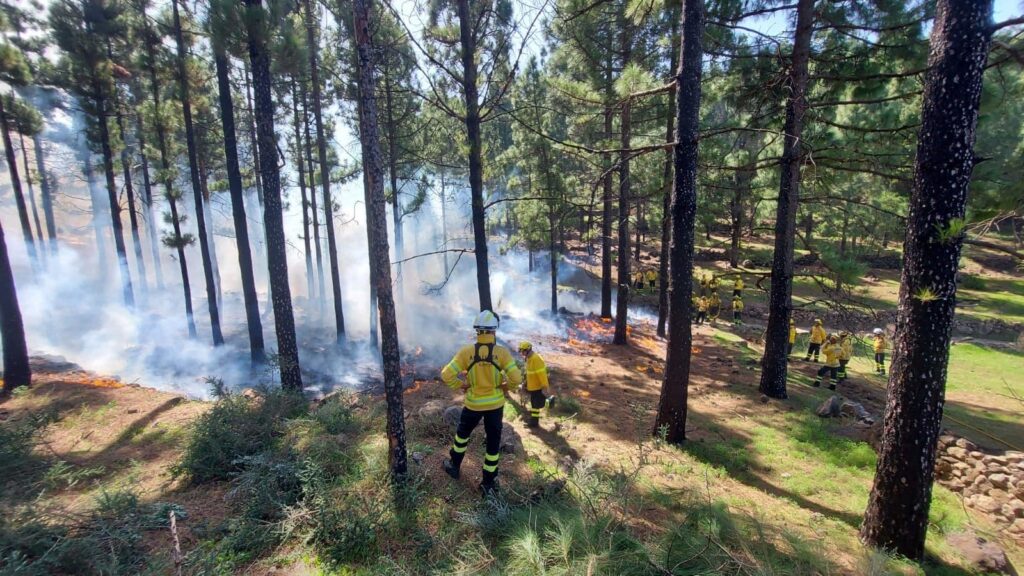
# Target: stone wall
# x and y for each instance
(990, 482)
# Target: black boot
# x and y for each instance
(451, 469)
(817, 383)
(533, 422)
(831, 386)
(489, 489)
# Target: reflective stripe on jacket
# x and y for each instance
(879, 344)
(818, 335)
(831, 352)
(484, 379)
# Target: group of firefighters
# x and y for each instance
(838, 350)
(484, 370)
(708, 305)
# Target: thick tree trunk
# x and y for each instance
(12, 331)
(377, 224)
(621, 335)
(672, 406)
(308, 147)
(227, 119)
(325, 172)
(467, 37)
(197, 191)
(606, 225)
(115, 207)
(129, 192)
(897, 514)
(19, 198)
(667, 180)
(277, 256)
(774, 364)
(310, 293)
(169, 193)
(45, 192)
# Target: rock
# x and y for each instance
(1017, 527)
(976, 455)
(251, 394)
(1000, 496)
(856, 410)
(985, 503)
(999, 480)
(986, 556)
(764, 399)
(511, 443)
(1014, 457)
(957, 452)
(1013, 509)
(946, 440)
(1000, 460)
(451, 416)
(966, 444)
(943, 469)
(432, 410)
(417, 457)
(830, 408)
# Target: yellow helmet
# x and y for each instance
(817, 321)
(525, 346)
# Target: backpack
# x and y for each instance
(480, 358)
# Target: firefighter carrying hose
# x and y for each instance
(536, 383)
(486, 366)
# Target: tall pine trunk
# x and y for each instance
(45, 192)
(310, 293)
(277, 256)
(31, 194)
(621, 335)
(100, 101)
(325, 172)
(666, 182)
(177, 241)
(308, 147)
(227, 119)
(197, 190)
(251, 129)
(897, 514)
(606, 225)
(19, 198)
(774, 364)
(129, 192)
(147, 197)
(12, 331)
(396, 204)
(672, 405)
(377, 224)
(467, 40)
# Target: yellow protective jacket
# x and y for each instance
(738, 284)
(536, 373)
(737, 304)
(702, 305)
(792, 334)
(714, 304)
(818, 335)
(484, 376)
(831, 352)
(652, 275)
(879, 343)
(846, 349)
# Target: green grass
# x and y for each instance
(1001, 299)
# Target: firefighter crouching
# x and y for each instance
(536, 383)
(487, 366)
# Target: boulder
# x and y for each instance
(511, 442)
(1013, 509)
(984, 555)
(999, 480)
(966, 444)
(1017, 527)
(1000, 496)
(451, 416)
(432, 410)
(1000, 460)
(957, 452)
(856, 410)
(831, 408)
(985, 503)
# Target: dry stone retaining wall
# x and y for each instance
(992, 483)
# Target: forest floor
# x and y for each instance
(760, 487)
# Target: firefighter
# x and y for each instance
(831, 367)
(702, 310)
(652, 278)
(817, 339)
(737, 286)
(737, 310)
(792, 337)
(713, 284)
(845, 354)
(705, 283)
(879, 351)
(485, 365)
(714, 308)
(638, 280)
(536, 383)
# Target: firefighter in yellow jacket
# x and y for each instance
(818, 338)
(652, 278)
(536, 383)
(737, 310)
(831, 367)
(792, 336)
(879, 346)
(845, 354)
(737, 286)
(486, 367)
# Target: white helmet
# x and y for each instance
(877, 331)
(486, 320)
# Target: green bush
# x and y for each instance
(236, 427)
(567, 405)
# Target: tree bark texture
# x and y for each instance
(12, 331)
(667, 180)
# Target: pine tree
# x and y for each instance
(257, 27)
(897, 515)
